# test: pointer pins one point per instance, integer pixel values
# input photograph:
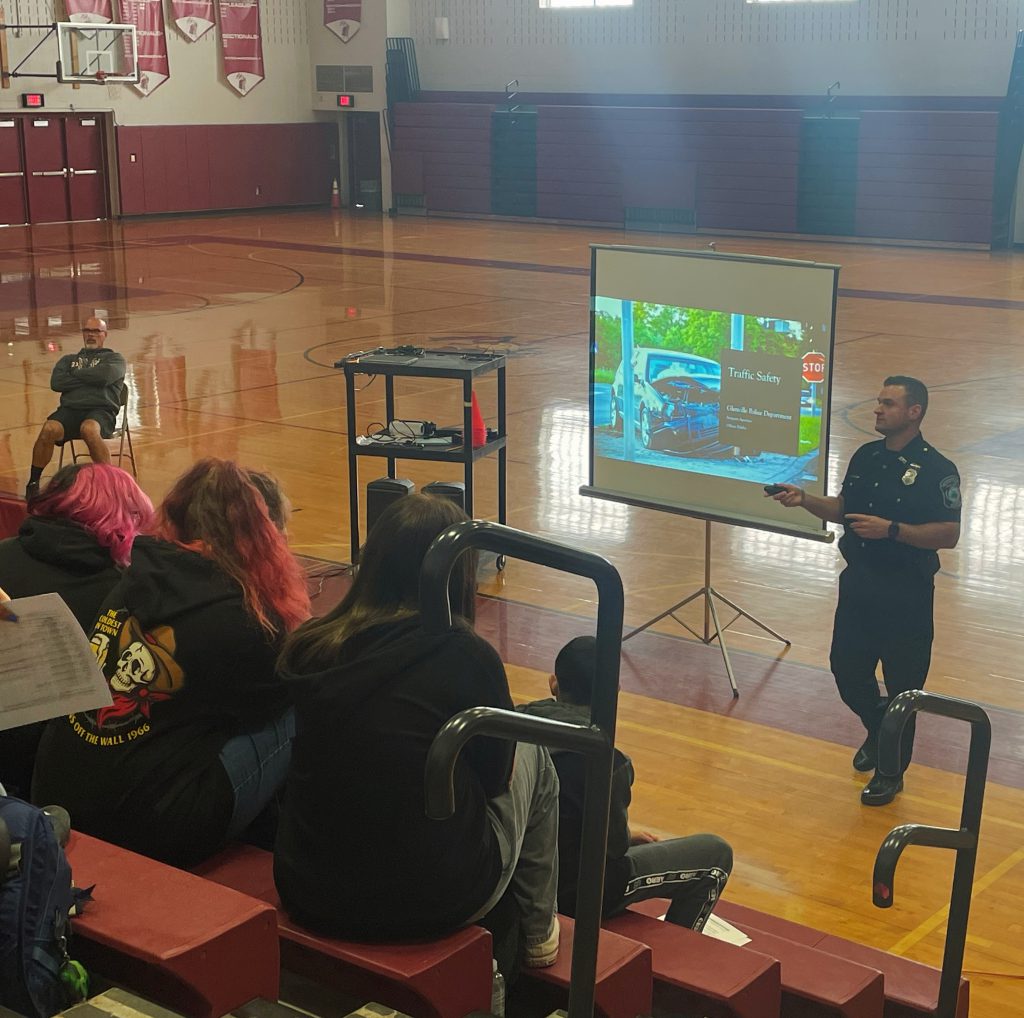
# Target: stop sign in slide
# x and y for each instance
(814, 367)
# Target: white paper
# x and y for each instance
(721, 930)
(47, 666)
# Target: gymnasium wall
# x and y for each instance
(196, 92)
(721, 47)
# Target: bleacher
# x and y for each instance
(205, 943)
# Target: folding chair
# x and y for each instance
(123, 434)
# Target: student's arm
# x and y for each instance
(482, 682)
(619, 838)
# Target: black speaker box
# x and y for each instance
(454, 491)
(381, 493)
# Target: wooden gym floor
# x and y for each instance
(231, 324)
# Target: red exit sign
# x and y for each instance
(33, 100)
(346, 101)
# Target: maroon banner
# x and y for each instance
(343, 17)
(241, 41)
(194, 18)
(94, 12)
(148, 18)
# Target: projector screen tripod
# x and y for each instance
(713, 629)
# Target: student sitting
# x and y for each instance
(197, 739)
(75, 541)
(356, 855)
(77, 537)
(691, 871)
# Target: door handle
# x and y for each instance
(83, 173)
(18, 174)
(49, 173)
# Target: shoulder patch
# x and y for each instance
(950, 488)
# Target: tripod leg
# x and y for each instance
(757, 622)
(667, 612)
(725, 650)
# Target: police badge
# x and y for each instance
(910, 476)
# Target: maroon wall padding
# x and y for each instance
(737, 169)
(12, 512)
(445, 978)
(189, 945)
(195, 167)
(694, 974)
(446, 147)
(926, 175)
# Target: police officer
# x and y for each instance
(899, 503)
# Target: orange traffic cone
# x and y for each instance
(335, 195)
(479, 428)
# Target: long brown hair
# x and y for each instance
(386, 587)
(215, 510)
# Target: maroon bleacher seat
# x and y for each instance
(694, 974)
(169, 935)
(12, 512)
(911, 988)
(624, 986)
(446, 978)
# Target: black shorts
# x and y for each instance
(71, 421)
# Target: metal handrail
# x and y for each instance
(595, 742)
(963, 841)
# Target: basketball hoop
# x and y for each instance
(100, 76)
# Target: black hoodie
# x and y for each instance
(56, 556)
(356, 855)
(571, 769)
(189, 669)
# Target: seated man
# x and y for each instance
(90, 384)
(691, 871)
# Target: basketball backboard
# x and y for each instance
(93, 54)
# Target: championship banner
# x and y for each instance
(194, 18)
(241, 42)
(148, 18)
(91, 12)
(343, 18)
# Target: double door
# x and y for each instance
(52, 168)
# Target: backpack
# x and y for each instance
(36, 902)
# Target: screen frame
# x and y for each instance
(823, 535)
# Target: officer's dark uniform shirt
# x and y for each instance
(915, 485)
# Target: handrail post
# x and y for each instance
(963, 841)
(596, 741)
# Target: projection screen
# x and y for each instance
(731, 371)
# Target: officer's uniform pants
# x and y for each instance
(882, 615)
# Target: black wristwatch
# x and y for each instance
(894, 531)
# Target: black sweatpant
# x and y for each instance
(882, 615)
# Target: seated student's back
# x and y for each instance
(75, 542)
(187, 641)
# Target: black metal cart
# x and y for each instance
(441, 364)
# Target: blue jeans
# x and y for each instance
(257, 764)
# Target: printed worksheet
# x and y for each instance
(47, 666)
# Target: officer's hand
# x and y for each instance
(791, 496)
(871, 528)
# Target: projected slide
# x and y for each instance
(715, 392)
(710, 378)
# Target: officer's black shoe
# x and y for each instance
(866, 758)
(31, 490)
(881, 790)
